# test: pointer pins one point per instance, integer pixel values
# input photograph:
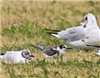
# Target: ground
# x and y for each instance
(24, 23)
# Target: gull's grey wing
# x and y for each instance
(50, 51)
(72, 34)
(40, 46)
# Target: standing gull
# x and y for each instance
(51, 51)
(17, 56)
(75, 36)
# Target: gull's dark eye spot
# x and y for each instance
(84, 26)
(64, 47)
(86, 18)
(26, 53)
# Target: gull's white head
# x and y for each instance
(90, 19)
(27, 54)
(63, 47)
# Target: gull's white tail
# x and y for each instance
(53, 34)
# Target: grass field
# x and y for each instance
(23, 23)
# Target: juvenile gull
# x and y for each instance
(51, 51)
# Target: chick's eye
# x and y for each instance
(64, 47)
(86, 18)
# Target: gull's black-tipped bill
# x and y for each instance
(69, 48)
(32, 56)
(94, 46)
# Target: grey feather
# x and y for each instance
(41, 46)
(38, 48)
(47, 50)
(50, 51)
(71, 34)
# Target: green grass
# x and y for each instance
(36, 16)
(84, 69)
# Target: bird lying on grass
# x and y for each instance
(88, 30)
(51, 51)
(17, 56)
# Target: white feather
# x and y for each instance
(14, 57)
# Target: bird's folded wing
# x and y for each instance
(51, 52)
